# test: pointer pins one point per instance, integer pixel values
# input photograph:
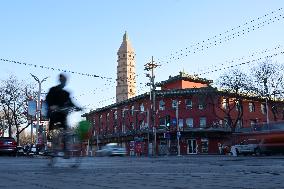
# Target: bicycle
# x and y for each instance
(66, 144)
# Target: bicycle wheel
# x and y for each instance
(74, 149)
(55, 150)
(68, 157)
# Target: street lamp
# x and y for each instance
(38, 103)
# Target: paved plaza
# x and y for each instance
(142, 172)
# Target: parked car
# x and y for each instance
(111, 149)
(249, 146)
(8, 145)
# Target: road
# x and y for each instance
(199, 171)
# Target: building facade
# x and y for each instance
(191, 116)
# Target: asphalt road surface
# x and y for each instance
(198, 172)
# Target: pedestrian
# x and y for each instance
(220, 147)
(234, 151)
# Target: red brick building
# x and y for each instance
(185, 103)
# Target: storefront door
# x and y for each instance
(191, 146)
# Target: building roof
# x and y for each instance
(176, 92)
(125, 45)
(186, 77)
(158, 93)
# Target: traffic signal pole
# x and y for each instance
(150, 67)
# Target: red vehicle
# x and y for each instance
(8, 145)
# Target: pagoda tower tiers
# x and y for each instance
(126, 80)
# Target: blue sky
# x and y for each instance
(84, 36)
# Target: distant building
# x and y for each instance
(184, 101)
(188, 107)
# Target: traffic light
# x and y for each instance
(168, 121)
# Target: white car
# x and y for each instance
(111, 149)
(250, 146)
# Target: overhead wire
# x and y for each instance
(224, 37)
(243, 58)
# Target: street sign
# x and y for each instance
(167, 135)
(32, 108)
(178, 134)
(174, 121)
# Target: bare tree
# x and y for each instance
(269, 82)
(235, 85)
(13, 104)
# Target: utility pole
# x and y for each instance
(38, 103)
(150, 67)
(148, 134)
(178, 131)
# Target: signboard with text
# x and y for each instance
(44, 110)
(31, 110)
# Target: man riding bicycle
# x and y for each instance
(57, 100)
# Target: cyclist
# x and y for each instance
(57, 100)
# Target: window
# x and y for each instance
(123, 112)
(141, 124)
(238, 105)
(239, 124)
(225, 104)
(226, 122)
(202, 122)
(123, 128)
(188, 104)
(253, 122)
(174, 104)
(100, 123)
(115, 115)
(131, 125)
(189, 122)
(201, 102)
(162, 122)
(204, 145)
(180, 123)
(141, 107)
(162, 105)
(94, 122)
(132, 110)
(251, 107)
(263, 108)
(107, 121)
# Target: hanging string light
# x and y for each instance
(233, 33)
(245, 59)
(243, 63)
